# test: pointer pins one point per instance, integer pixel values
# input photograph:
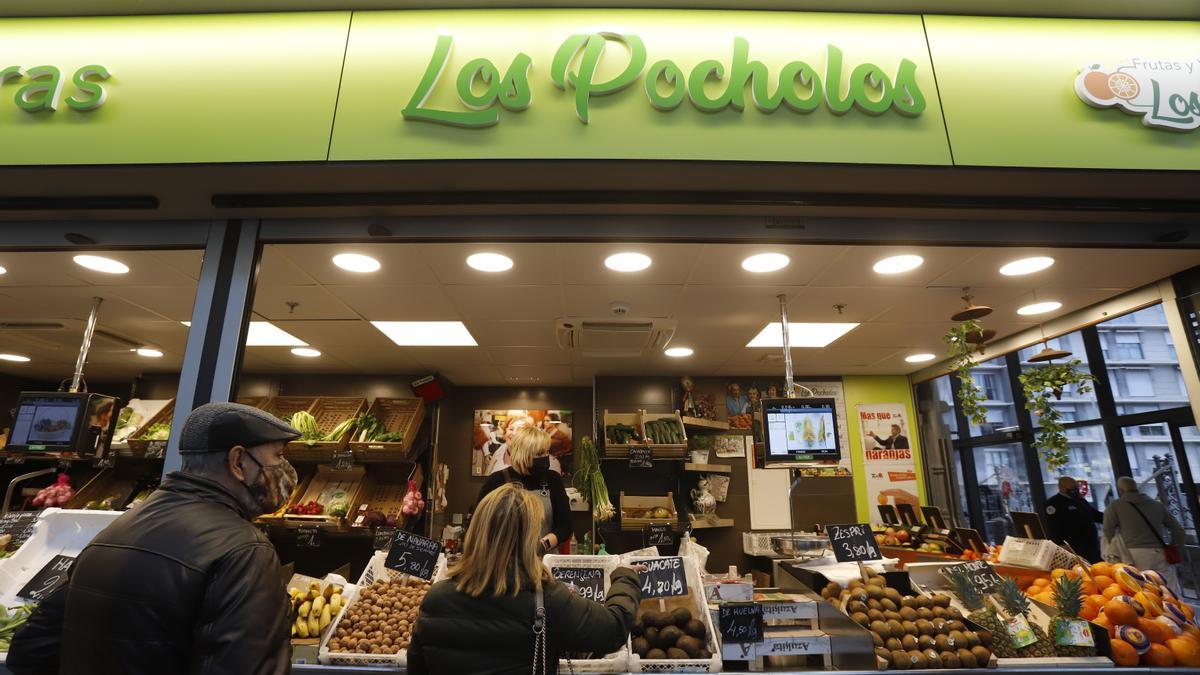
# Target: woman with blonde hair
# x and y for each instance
(501, 613)
(529, 455)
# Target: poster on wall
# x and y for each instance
(887, 456)
(493, 429)
(730, 445)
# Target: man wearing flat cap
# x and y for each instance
(182, 583)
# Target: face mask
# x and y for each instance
(542, 463)
(1073, 493)
(274, 486)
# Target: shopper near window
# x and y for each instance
(182, 583)
(1144, 524)
(528, 452)
(484, 618)
(1071, 519)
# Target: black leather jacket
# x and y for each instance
(181, 584)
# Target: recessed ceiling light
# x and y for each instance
(627, 262)
(801, 334)
(100, 264)
(306, 352)
(15, 358)
(678, 352)
(1039, 308)
(264, 334)
(427, 333)
(356, 262)
(919, 358)
(3, 271)
(765, 262)
(1026, 266)
(149, 352)
(490, 262)
(898, 264)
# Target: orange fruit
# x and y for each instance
(1121, 613)
(1192, 632)
(1102, 569)
(1045, 597)
(1104, 580)
(1150, 603)
(1159, 656)
(1088, 588)
(1089, 610)
(1111, 591)
(1098, 599)
(1156, 631)
(1060, 572)
(1104, 623)
(1186, 652)
(1124, 655)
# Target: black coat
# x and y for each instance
(1072, 520)
(460, 635)
(182, 583)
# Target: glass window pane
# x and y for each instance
(1142, 365)
(936, 402)
(1073, 406)
(992, 377)
(1154, 466)
(1090, 462)
(1003, 485)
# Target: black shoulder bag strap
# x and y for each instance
(1152, 528)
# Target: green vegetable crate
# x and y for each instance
(150, 440)
(337, 493)
(663, 432)
(396, 423)
(331, 427)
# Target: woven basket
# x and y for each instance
(397, 415)
(330, 411)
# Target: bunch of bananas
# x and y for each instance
(314, 609)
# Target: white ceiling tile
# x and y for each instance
(312, 302)
(494, 303)
(169, 302)
(513, 333)
(643, 301)
(398, 303)
(529, 356)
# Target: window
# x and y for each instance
(987, 382)
(1152, 430)
(1127, 346)
(1136, 382)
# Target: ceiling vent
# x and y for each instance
(612, 337)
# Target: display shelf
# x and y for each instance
(325, 456)
(708, 468)
(700, 423)
(701, 523)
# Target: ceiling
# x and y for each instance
(719, 307)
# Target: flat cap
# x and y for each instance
(217, 427)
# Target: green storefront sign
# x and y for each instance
(598, 84)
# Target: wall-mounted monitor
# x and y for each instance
(800, 431)
(62, 423)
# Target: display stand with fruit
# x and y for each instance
(618, 661)
(675, 634)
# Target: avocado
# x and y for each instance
(656, 653)
(676, 653)
(690, 645)
(667, 637)
(651, 635)
(638, 628)
(696, 629)
(640, 646)
(682, 616)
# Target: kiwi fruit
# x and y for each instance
(656, 653)
(940, 613)
(910, 628)
(908, 642)
(956, 625)
(908, 614)
(959, 638)
(896, 627)
(877, 639)
(875, 592)
(893, 644)
(967, 659)
(893, 595)
(853, 607)
(949, 660)
(874, 605)
(859, 594)
(889, 605)
(924, 602)
(925, 642)
(908, 601)
(861, 618)
(973, 640)
(955, 614)
(882, 628)
(641, 646)
(892, 616)
(941, 600)
(932, 659)
(942, 642)
(875, 579)
(925, 613)
(900, 660)
(985, 637)
(695, 628)
(651, 635)
(885, 655)
(924, 627)
(875, 615)
(982, 655)
(917, 660)
(682, 615)
(857, 583)
(667, 637)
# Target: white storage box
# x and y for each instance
(58, 532)
(1039, 554)
(695, 602)
(616, 662)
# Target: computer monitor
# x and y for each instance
(62, 423)
(800, 431)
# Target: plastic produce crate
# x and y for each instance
(695, 602)
(618, 661)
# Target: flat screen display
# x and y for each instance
(47, 421)
(800, 430)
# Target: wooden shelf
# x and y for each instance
(699, 423)
(708, 468)
(709, 523)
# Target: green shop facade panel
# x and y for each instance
(638, 84)
(169, 89)
(1069, 93)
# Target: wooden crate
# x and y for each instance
(397, 415)
(638, 421)
(330, 411)
(140, 447)
(633, 419)
(259, 402)
(107, 483)
(305, 477)
(284, 407)
(667, 450)
(385, 495)
(631, 503)
(323, 482)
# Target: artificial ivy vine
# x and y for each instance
(1041, 383)
(962, 354)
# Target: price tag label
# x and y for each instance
(586, 582)
(660, 534)
(383, 537)
(640, 457)
(979, 572)
(853, 543)
(308, 536)
(663, 578)
(1075, 633)
(18, 524)
(740, 622)
(343, 460)
(1020, 632)
(48, 579)
(413, 554)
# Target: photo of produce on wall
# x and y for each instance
(493, 428)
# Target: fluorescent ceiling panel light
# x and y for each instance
(1026, 266)
(100, 264)
(306, 352)
(801, 334)
(356, 262)
(15, 358)
(919, 358)
(1039, 308)
(765, 262)
(265, 334)
(490, 262)
(679, 352)
(149, 352)
(3, 271)
(898, 264)
(426, 333)
(627, 262)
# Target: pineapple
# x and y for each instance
(983, 616)
(1015, 602)
(1067, 600)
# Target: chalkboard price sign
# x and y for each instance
(586, 582)
(740, 622)
(383, 537)
(413, 554)
(853, 543)
(18, 524)
(48, 579)
(640, 457)
(979, 572)
(660, 534)
(663, 578)
(342, 460)
(308, 536)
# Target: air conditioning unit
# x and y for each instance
(614, 337)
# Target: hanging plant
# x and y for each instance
(962, 354)
(1041, 384)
